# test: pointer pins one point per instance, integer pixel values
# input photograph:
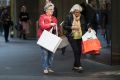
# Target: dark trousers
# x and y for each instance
(1, 28)
(6, 32)
(22, 34)
(76, 46)
(108, 33)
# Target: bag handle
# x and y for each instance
(56, 29)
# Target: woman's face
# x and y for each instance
(77, 13)
(23, 9)
(50, 10)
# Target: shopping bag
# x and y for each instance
(64, 42)
(90, 43)
(49, 41)
(91, 46)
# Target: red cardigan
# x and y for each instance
(44, 23)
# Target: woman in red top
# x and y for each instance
(46, 22)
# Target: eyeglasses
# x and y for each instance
(51, 9)
(77, 12)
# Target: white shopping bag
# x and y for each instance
(89, 35)
(49, 41)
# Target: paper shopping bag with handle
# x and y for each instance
(49, 41)
(90, 43)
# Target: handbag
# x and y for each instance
(18, 27)
(90, 43)
(64, 42)
(49, 40)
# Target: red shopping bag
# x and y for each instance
(91, 46)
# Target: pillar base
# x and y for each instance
(115, 58)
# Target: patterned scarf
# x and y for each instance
(76, 33)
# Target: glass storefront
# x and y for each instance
(4, 3)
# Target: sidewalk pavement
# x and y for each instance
(20, 60)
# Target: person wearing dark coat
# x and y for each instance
(90, 15)
(75, 25)
(6, 20)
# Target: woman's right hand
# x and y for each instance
(74, 28)
(53, 24)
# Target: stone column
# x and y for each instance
(115, 32)
(13, 13)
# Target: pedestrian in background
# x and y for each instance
(25, 22)
(108, 24)
(6, 21)
(46, 22)
(90, 14)
(1, 27)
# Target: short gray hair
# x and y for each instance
(48, 5)
(76, 7)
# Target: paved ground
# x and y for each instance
(20, 60)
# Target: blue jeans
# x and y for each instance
(46, 58)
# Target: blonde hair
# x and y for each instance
(76, 7)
